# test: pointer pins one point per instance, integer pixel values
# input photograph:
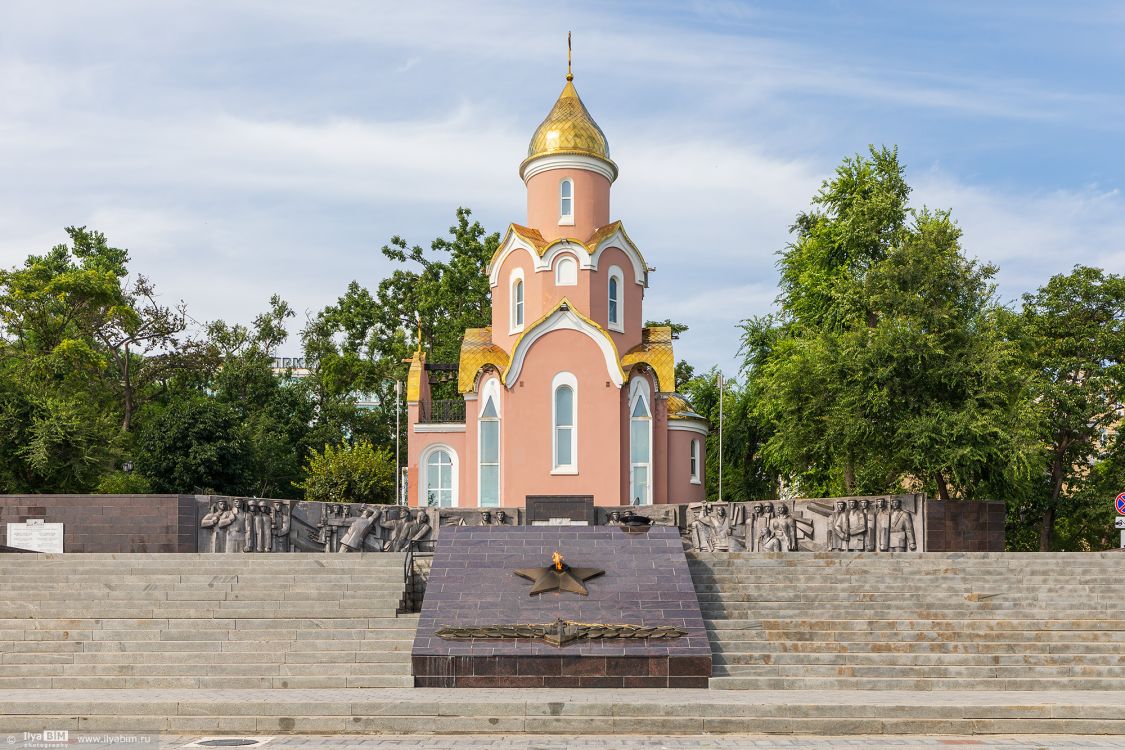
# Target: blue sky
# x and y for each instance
(251, 146)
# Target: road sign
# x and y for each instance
(1119, 523)
(1120, 503)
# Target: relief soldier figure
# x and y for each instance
(901, 528)
(882, 525)
(280, 522)
(501, 518)
(754, 527)
(263, 528)
(869, 516)
(722, 533)
(701, 531)
(838, 527)
(359, 529)
(233, 521)
(769, 542)
(784, 527)
(857, 527)
(767, 522)
(211, 521)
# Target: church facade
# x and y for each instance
(567, 393)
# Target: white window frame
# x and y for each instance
(424, 480)
(693, 458)
(491, 390)
(639, 391)
(566, 219)
(560, 380)
(615, 273)
(570, 259)
(516, 322)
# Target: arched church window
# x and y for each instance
(489, 447)
(517, 304)
(640, 445)
(440, 488)
(566, 271)
(565, 428)
(616, 287)
(695, 462)
(566, 202)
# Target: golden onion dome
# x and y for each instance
(569, 129)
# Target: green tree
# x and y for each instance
(350, 474)
(195, 445)
(885, 366)
(1073, 336)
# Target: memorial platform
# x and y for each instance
(644, 584)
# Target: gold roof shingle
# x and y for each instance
(569, 129)
(655, 350)
(477, 351)
(679, 408)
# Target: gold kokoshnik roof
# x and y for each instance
(568, 129)
(477, 351)
(655, 350)
(679, 408)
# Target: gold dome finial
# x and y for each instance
(568, 127)
(569, 73)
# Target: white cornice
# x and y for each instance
(532, 167)
(688, 426)
(439, 427)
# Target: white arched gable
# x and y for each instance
(491, 389)
(622, 243)
(587, 260)
(565, 319)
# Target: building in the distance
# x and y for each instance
(566, 393)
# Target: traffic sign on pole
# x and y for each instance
(1120, 504)
(1119, 523)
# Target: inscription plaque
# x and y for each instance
(36, 536)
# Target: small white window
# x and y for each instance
(614, 304)
(695, 462)
(565, 427)
(566, 271)
(566, 202)
(517, 303)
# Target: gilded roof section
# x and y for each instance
(415, 375)
(541, 246)
(569, 129)
(655, 350)
(679, 408)
(528, 235)
(477, 351)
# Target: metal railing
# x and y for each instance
(442, 411)
(414, 584)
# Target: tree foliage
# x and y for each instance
(346, 473)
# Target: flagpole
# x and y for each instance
(720, 436)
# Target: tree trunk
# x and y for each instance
(942, 487)
(849, 477)
(1047, 530)
(127, 422)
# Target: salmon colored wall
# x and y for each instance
(591, 203)
(590, 296)
(680, 487)
(526, 424)
(418, 442)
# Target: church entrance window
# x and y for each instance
(439, 490)
(489, 427)
(640, 447)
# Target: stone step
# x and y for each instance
(862, 671)
(983, 613)
(371, 644)
(205, 682)
(722, 682)
(540, 712)
(731, 660)
(733, 646)
(241, 658)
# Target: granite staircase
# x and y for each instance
(203, 621)
(953, 621)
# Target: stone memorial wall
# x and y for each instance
(239, 525)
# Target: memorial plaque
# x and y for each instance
(36, 536)
(560, 510)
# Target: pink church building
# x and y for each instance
(566, 393)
